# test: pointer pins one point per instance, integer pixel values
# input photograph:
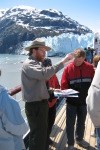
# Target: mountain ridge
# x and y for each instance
(25, 23)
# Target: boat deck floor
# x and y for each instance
(58, 134)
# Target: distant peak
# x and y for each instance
(51, 13)
(2, 12)
(55, 11)
(23, 7)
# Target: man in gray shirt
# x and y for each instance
(35, 93)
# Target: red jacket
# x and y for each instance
(54, 83)
(78, 78)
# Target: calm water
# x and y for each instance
(11, 69)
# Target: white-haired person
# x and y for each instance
(12, 124)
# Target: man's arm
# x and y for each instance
(64, 79)
(93, 98)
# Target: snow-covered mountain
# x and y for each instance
(25, 23)
(2, 12)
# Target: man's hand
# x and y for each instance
(69, 57)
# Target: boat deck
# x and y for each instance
(58, 134)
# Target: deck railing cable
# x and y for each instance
(13, 92)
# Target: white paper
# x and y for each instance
(66, 93)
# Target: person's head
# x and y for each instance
(96, 59)
(85, 48)
(38, 49)
(89, 48)
(47, 62)
(79, 56)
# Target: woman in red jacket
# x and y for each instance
(51, 83)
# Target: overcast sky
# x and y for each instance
(86, 12)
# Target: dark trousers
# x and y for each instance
(51, 118)
(37, 115)
(73, 112)
(98, 137)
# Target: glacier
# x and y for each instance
(65, 43)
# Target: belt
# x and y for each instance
(42, 101)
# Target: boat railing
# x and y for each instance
(15, 90)
(16, 93)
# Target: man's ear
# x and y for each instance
(34, 52)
